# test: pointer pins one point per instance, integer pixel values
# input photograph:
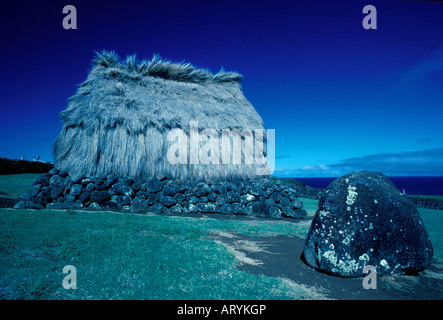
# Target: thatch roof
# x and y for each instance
(117, 121)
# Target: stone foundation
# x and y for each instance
(262, 198)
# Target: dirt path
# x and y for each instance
(279, 256)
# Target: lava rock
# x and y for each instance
(111, 205)
(167, 201)
(284, 201)
(258, 208)
(246, 198)
(203, 190)
(35, 190)
(139, 205)
(70, 199)
(127, 182)
(275, 212)
(189, 208)
(182, 188)
(257, 191)
(98, 181)
(27, 196)
(42, 198)
(226, 209)
(232, 196)
(142, 194)
(91, 187)
(238, 197)
(153, 185)
(137, 185)
(220, 200)
(212, 197)
(294, 213)
(169, 191)
(296, 204)
(53, 171)
(43, 179)
(57, 205)
(231, 186)
(74, 205)
(206, 207)
(100, 196)
(122, 199)
(158, 208)
(152, 198)
(121, 189)
(110, 180)
(56, 192)
(193, 199)
(76, 189)
(176, 209)
(57, 181)
(238, 208)
(102, 187)
(270, 203)
(179, 197)
(86, 181)
(84, 197)
(94, 206)
(363, 219)
(27, 205)
(215, 188)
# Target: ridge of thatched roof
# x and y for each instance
(117, 121)
(158, 67)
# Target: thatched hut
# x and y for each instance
(119, 119)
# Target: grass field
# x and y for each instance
(17, 184)
(133, 256)
(438, 197)
(129, 256)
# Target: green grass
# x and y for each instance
(17, 184)
(129, 256)
(436, 197)
(310, 205)
(433, 220)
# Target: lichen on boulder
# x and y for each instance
(363, 219)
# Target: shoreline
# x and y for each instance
(308, 192)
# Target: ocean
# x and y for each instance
(411, 185)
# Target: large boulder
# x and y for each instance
(363, 219)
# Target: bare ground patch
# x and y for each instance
(280, 257)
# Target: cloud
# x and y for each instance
(407, 163)
(433, 63)
(424, 141)
(315, 168)
(284, 156)
(422, 162)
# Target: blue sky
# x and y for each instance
(339, 97)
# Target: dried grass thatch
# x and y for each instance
(117, 121)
